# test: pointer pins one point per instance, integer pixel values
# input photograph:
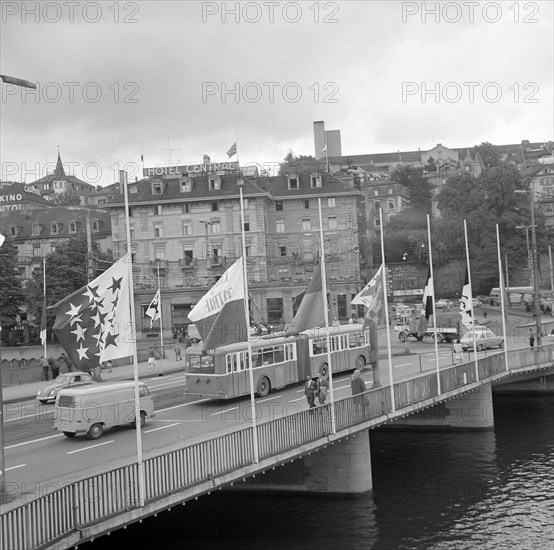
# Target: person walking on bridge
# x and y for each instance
(310, 391)
(358, 387)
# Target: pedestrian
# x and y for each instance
(152, 356)
(54, 367)
(63, 363)
(531, 338)
(458, 351)
(323, 388)
(177, 350)
(358, 387)
(310, 391)
(45, 367)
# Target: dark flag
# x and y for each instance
(428, 296)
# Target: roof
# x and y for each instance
(99, 388)
(27, 194)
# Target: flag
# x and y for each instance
(142, 158)
(466, 304)
(153, 310)
(324, 150)
(43, 323)
(219, 315)
(93, 324)
(428, 296)
(298, 300)
(2, 239)
(310, 312)
(232, 150)
(18, 81)
(372, 297)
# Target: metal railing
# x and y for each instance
(103, 496)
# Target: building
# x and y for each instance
(327, 143)
(187, 227)
(59, 182)
(105, 194)
(17, 197)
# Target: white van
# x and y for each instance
(91, 409)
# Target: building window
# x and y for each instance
(293, 182)
(72, 227)
(245, 203)
(187, 227)
(95, 225)
(54, 229)
(13, 230)
(274, 310)
(36, 229)
(189, 256)
(215, 206)
(306, 224)
(186, 185)
(376, 222)
(376, 192)
(278, 206)
(132, 231)
(392, 206)
(214, 184)
(159, 252)
(282, 251)
(280, 226)
(216, 227)
(158, 210)
(102, 201)
(391, 190)
(332, 222)
(376, 206)
(248, 249)
(331, 202)
(157, 188)
(306, 204)
(315, 181)
(246, 224)
(158, 230)
(185, 208)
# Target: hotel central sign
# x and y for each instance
(205, 167)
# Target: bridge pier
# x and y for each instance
(470, 411)
(343, 468)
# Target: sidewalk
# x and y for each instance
(123, 372)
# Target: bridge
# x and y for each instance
(297, 451)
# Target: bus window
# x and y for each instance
(317, 346)
(268, 356)
(352, 340)
(257, 358)
(279, 354)
(203, 364)
(143, 391)
(229, 361)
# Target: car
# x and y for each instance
(443, 304)
(484, 339)
(66, 380)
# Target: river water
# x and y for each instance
(432, 490)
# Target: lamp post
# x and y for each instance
(534, 266)
(3, 496)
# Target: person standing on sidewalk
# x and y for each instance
(152, 356)
(531, 338)
(309, 391)
(177, 350)
(458, 351)
(54, 366)
(45, 367)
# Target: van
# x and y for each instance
(193, 333)
(91, 409)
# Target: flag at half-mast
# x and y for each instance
(153, 310)
(232, 150)
(466, 304)
(372, 296)
(310, 313)
(428, 296)
(43, 323)
(93, 324)
(219, 316)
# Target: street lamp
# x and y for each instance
(3, 496)
(534, 266)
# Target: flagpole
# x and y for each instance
(160, 312)
(471, 298)
(140, 464)
(502, 296)
(45, 343)
(434, 309)
(237, 147)
(240, 184)
(389, 349)
(326, 318)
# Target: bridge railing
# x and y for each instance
(98, 497)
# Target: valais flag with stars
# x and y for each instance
(94, 323)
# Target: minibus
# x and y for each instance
(90, 409)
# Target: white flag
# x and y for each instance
(153, 310)
(466, 304)
(2, 239)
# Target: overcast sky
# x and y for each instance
(117, 79)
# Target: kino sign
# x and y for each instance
(189, 169)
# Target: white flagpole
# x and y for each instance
(240, 183)
(44, 303)
(472, 309)
(326, 318)
(502, 300)
(142, 492)
(389, 349)
(160, 312)
(434, 309)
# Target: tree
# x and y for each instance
(488, 152)
(11, 293)
(420, 189)
(300, 164)
(67, 198)
(430, 165)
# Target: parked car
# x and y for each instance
(484, 339)
(443, 304)
(484, 299)
(66, 380)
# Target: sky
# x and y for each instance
(117, 80)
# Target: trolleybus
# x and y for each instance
(277, 361)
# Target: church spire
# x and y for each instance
(59, 172)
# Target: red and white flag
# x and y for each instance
(428, 296)
(153, 310)
(372, 297)
(93, 324)
(219, 316)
